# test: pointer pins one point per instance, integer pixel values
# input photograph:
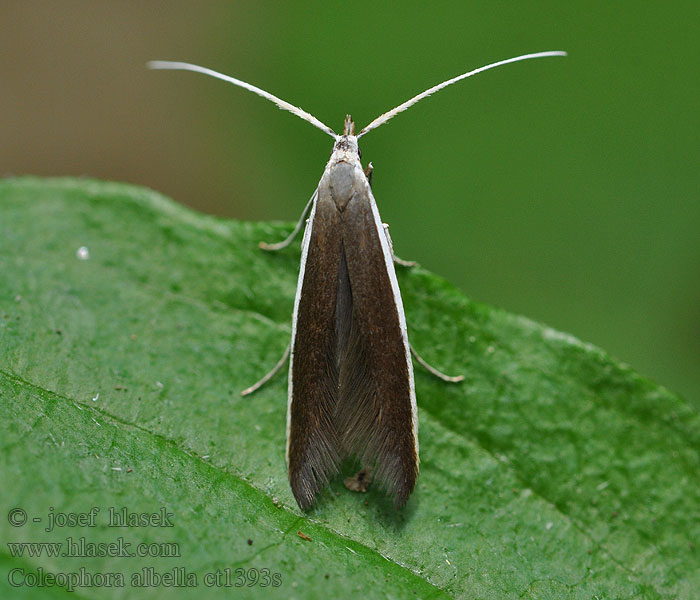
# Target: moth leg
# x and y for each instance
(297, 229)
(434, 371)
(369, 172)
(404, 263)
(397, 260)
(270, 375)
(360, 481)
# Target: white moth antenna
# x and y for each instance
(182, 66)
(395, 111)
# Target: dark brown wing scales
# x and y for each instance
(351, 393)
(314, 446)
(374, 413)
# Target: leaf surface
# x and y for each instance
(552, 471)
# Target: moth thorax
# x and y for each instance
(342, 184)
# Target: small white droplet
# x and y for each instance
(97, 397)
(549, 525)
(83, 253)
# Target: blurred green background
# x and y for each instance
(566, 190)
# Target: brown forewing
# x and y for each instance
(374, 415)
(351, 391)
(313, 440)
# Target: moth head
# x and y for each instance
(345, 147)
(348, 126)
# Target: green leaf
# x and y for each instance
(552, 471)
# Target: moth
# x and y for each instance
(351, 391)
